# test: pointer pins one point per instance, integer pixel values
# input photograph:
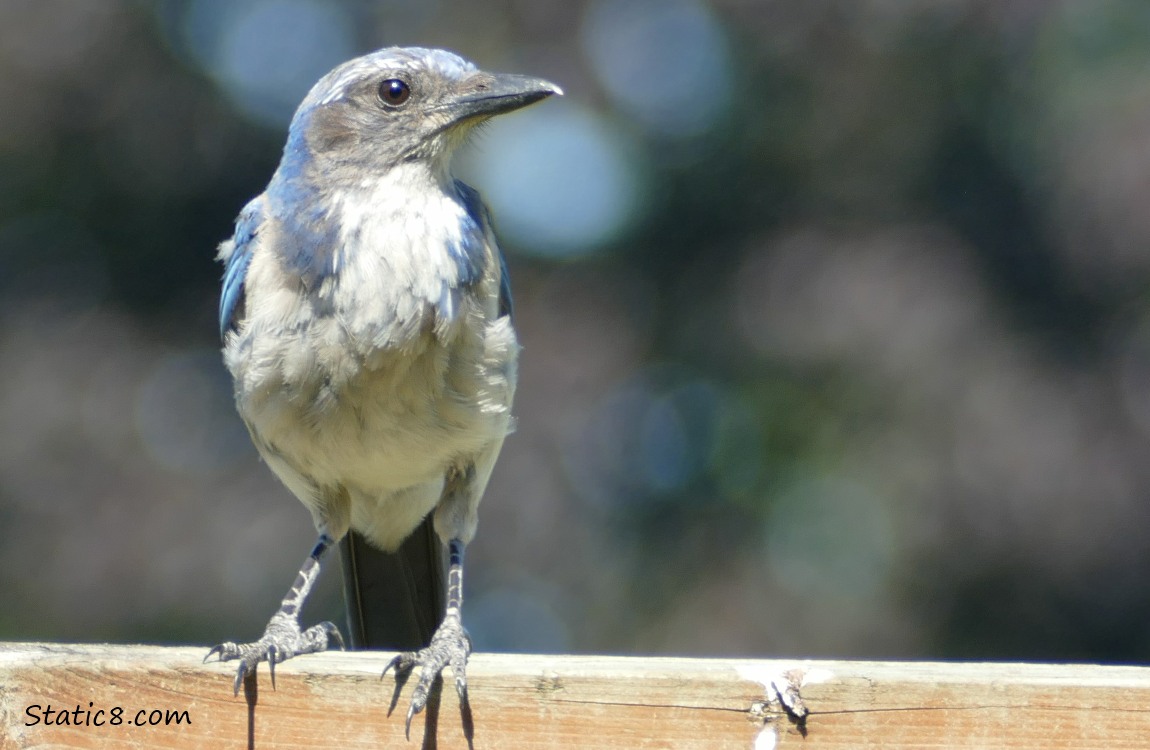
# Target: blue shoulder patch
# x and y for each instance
(474, 230)
(506, 305)
(478, 213)
(237, 262)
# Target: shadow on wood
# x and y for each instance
(95, 696)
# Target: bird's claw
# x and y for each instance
(449, 647)
(282, 640)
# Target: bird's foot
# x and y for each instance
(282, 640)
(450, 646)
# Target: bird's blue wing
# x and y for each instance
(236, 254)
(479, 214)
(506, 305)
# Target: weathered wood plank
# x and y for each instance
(338, 700)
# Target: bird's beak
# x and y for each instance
(489, 94)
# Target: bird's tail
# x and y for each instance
(395, 600)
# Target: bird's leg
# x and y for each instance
(283, 639)
(450, 646)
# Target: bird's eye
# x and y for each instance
(394, 92)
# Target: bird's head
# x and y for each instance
(402, 104)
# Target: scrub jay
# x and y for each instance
(366, 320)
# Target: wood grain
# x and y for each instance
(338, 700)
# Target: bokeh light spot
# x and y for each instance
(649, 438)
(560, 179)
(665, 63)
(663, 448)
(266, 54)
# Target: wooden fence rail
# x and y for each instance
(99, 696)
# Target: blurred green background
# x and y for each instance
(835, 316)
